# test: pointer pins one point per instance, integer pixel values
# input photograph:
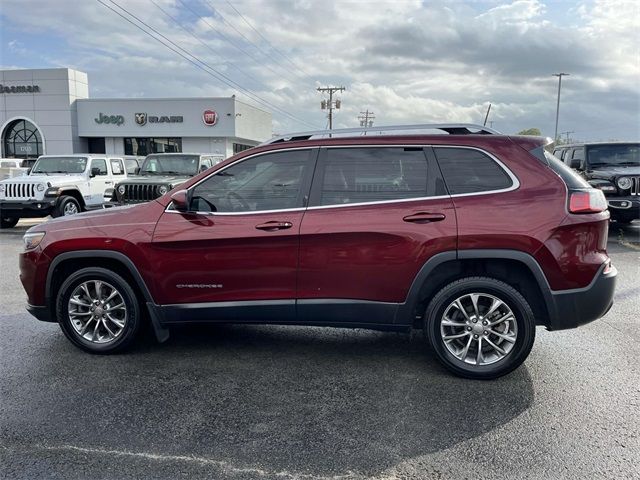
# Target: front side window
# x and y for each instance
(470, 171)
(267, 182)
(100, 164)
(60, 165)
(363, 175)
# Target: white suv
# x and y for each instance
(59, 185)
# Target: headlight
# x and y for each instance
(32, 240)
(2, 187)
(121, 189)
(40, 187)
(624, 183)
(52, 192)
(162, 189)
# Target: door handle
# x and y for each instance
(274, 225)
(424, 217)
(108, 182)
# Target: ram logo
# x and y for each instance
(141, 118)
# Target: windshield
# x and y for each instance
(623, 155)
(170, 164)
(60, 165)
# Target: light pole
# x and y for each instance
(559, 75)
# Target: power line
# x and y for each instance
(248, 40)
(229, 40)
(286, 57)
(206, 44)
(211, 71)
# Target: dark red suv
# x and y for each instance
(473, 236)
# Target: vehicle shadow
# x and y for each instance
(303, 399)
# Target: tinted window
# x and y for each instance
(100, 163)
(170, 165)
(357, 175)
(625, 155)
(116, 166)
(267, 182)
(577, 154)
(470, 171)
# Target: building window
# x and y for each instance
(22, 140)
(96, 145)
(145, 146)
(240, 147)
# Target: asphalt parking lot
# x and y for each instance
(309, 403)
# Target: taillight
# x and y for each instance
(587, 201)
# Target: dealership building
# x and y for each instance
(48, 111)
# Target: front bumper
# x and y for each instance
(579, 306)
(627, 208)
(27, 208)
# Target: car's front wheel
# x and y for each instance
(480, 327)
(66, 206)
(98, 310)
(8, 222)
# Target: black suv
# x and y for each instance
(614, 168)
(160, 172)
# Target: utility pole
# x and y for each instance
(559, 75)
(366, 118)
(330, 105)
(567, 136)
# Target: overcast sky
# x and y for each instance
(407, 61)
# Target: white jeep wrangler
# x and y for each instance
(59, 185)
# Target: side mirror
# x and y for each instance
(180, 200)
(28, 171)
(203, 168)
(576, 163)
(95, 171)
(136, 171)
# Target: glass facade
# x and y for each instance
(145, 146)
(22, 139)
(241, 147)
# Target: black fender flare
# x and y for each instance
(161, 332)
(406, 312)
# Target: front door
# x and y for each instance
(234, 256)
(376, 215)
(98, 183)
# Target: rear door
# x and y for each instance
(376, 215)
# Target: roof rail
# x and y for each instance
(450, 128)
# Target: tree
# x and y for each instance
(531, 131)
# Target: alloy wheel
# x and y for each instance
(479, 329)
(97, 311)
(70, 209)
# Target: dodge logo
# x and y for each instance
(141, 118)
(209, 117)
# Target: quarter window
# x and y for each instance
(470, 171)
(362, 175)
(267, 182)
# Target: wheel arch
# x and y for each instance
(65, 263)
(72, 192)
(514, 267)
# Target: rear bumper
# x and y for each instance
(27, 208)
(577, 307)
(41, 313)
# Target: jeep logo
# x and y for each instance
(109, 119)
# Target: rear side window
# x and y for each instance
(100, 163)
(470, 171)
(570, 177)
(362, 175)
(116, 166)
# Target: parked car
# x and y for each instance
(11, 167)
(474, 237)
(59, 185)
(159, 173)
(614, 168)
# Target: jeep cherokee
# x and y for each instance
(472, 236)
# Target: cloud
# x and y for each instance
(409, 61)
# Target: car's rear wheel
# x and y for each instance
(66, 206)
(8, 222)
(98, 310)
(480, 327)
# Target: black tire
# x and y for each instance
(8, 222)
(64, 203)
(524, 320)
(133, 320)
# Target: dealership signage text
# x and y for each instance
(109, 119)
(142, 118)
(20, 89)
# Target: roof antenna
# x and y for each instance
(486, 117)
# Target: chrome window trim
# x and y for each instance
(515, 183)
